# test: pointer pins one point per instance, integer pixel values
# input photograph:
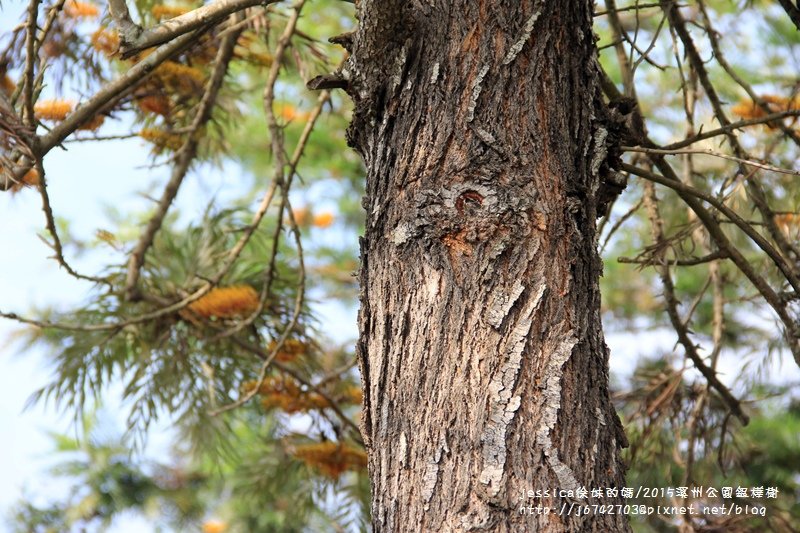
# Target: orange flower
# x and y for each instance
(227, 302)
(289, 112)
(180, 76)
(30, 179)
(105, 41)
(291, 350)
(285, 394)
(331, 458)
(323, 220)
(93, 123)
(156, 104)
(214, 526)
(168, 12)
(7, 85)
(747, 109)
(353, 395)
(76, 10)
(787, 222)
(55, 110)
(162, 139)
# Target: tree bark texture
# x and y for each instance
(481, 349)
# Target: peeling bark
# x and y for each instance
(481, 348)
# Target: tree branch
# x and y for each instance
(168, 30)
(184, 158)
(672, 311)
(677, 151)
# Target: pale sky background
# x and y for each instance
(82, 181)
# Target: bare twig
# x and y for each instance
(51, 228)
(771, 118)
(692, 261)
(698, 151)
(681, 187)
(672, 311)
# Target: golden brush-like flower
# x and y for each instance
(331, 458)
(105, 41)
(168, 12)
(747, 109)
(7, 85)
(156, 104)
(323, 220)
(291, 350)
(180, 76)
(227, 302)
(30, 179)
(162, 139)
(77, 10)
(55, 110)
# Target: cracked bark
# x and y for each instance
(481, 348)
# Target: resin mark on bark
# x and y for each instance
(551, 402)
(503, 404)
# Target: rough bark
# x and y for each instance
(481, 348)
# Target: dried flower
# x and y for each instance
(7, 85)
(93, 123)
(226, 302)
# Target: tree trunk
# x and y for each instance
(481, 348)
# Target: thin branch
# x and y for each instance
(692, 261)
(672, 311)
(681, 187)
(260, 352)
(618, 224)
(298, 308)
(30, 63)
(184, 158)
(628, 8)
(772, 117)
(51, 228)
(698, 151)
(116, 89)
(266, 201)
